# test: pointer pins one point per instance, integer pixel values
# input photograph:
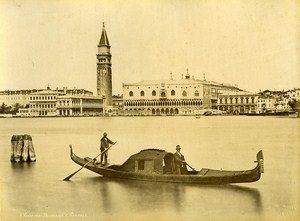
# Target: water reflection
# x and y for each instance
(173, 197)
(97, 196)
(104, 192)
(22, 171)
(20, 166)
(252, 193)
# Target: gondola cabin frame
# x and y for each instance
(150, 161)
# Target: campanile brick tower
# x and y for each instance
(104, 76)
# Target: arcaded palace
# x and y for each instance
(186, 96)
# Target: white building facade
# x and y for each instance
(238, 102)
(43, 103)
(266, 104)
(21, 97)
(170, 97)
(163, 97)
(283, 105)
(72, 105)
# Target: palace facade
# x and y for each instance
(56, 102)
(238, 102)
(74, 105)
(185, 96)
(43, 103)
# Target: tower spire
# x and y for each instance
(104, 38)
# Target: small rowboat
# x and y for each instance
(158, 165)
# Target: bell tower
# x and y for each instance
(104, 76)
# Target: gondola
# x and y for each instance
(158, 166)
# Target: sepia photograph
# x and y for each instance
(149, 110)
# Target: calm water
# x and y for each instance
(36, 190)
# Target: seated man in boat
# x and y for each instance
(180, 165)
(104, 145)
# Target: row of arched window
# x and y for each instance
(163, 94)
(237, 100)
(157, 111)
(177, 102)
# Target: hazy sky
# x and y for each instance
(251, 43)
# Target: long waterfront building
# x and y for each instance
(60, 103)
(12, 97)
(185, 96)
(75, 105)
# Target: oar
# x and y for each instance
(190, 166)
(68, 177)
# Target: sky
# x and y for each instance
(254, 43)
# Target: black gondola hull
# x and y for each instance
(204, 176)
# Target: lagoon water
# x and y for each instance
(33, 191)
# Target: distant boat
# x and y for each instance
(6, 115)
(158, 166)
(211, 112)
(279, 113)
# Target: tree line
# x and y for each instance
(5, 109)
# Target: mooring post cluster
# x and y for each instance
(22, 149)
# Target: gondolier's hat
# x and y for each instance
(178, 147)
(104, 134)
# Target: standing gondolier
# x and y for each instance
(104, 144)
(180, 164)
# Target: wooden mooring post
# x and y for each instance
(22, 149)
